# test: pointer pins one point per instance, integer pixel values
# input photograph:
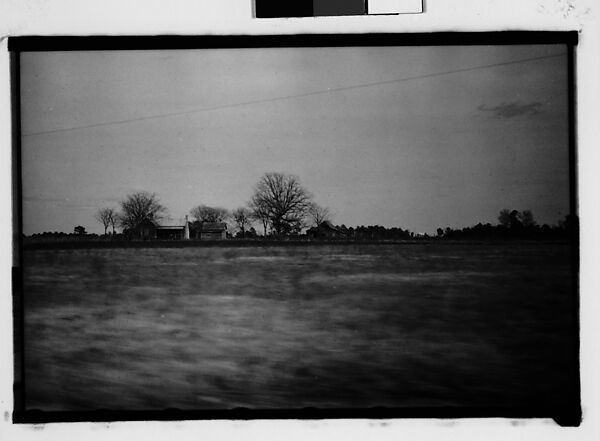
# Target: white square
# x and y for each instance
(394, 6)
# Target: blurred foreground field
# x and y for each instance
(325, 326)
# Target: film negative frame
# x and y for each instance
(568, 415)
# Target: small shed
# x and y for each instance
(213, 230)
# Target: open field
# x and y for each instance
(287, 327)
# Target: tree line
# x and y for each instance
(513, 224)
(283, 208)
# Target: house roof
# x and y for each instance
(327, 224)
(156, 225)
(209, 227)
(146, 222)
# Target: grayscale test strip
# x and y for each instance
(323, 8)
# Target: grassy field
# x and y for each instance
(288, 327)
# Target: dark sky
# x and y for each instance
(415, 137)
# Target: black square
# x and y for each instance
(278, 8)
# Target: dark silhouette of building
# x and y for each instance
(326, 230)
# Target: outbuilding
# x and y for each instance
(212, 231)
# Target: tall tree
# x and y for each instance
(318, 214)
(284, 199)
(242, 217)
(203, 213)
(107, 217)
(138, 207)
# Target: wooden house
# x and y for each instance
(150, 230)
(212, 231)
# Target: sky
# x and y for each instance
(412, 137)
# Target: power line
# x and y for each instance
(287, 97)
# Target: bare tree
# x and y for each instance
(285, 201)
(318, 214)
(203, 213)
(242, 217)
(260, 213)
(107, 217)
(138, 207)
(115, 219)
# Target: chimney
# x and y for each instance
(186, 229)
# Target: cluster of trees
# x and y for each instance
(513, 224)
(516, 220)
(374, 232)
(107, 217)
(279, 203)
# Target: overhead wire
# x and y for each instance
(288, 97)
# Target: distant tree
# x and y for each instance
(504, 218)
(114, 221)
(526, 218)
(318, 214)
(440, 232)
(242, 217)
(138, 207)
(203, 213)
(107, 217)
(260, 213)
(515, 220)
(79, 230)
(284, 200)
(569, 224)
